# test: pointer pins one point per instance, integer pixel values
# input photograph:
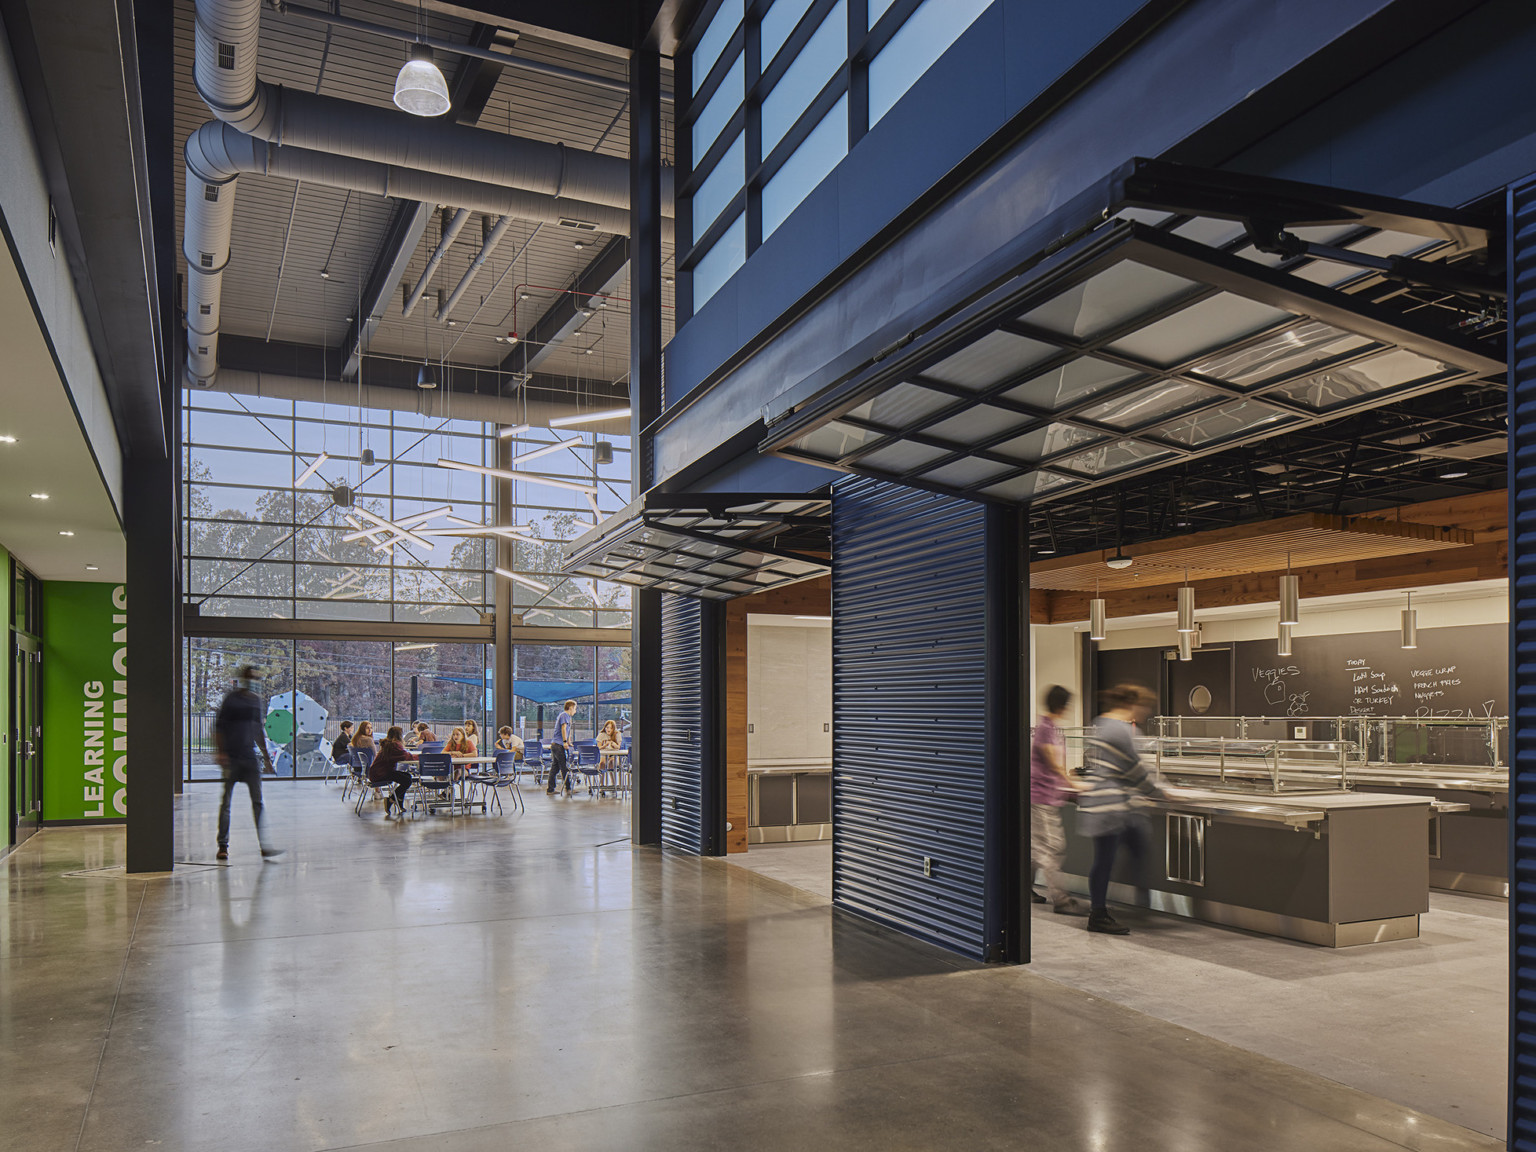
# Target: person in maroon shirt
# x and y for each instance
(386, 768)
(1049, 786)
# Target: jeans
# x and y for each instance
(246, 772)
(1047, 849)
(557, 767)
(1105, 849)
(403, 781)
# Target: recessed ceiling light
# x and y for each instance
(39, 495)
(1452, 475)
(90, 568)
(7, 439)
(66, 532)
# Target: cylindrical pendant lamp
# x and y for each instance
(1284, 646)
(1410, 625)
(1096, 619)
(1186, 609)
(1186, 645)
(1290, 599)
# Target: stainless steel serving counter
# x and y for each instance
(789, 802)
(1328, 868)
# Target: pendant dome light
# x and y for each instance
(420, 88)
(424, 378)
(1096, 615)
(1290, 595)
(1410, 625)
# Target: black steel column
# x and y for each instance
(712, 728)
(645, 404)
(1007, 736)
(505, 612)
(149, 499)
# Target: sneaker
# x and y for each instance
(389, 809)
(1036, 898)
(221, 854)
(1070, 907)
(269, 853)
(1104, 922)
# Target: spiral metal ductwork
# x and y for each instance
(342, 144)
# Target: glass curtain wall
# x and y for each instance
(812, 76)
(545, 676)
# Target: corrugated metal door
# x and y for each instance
(914, 844)
(1522, 665)
(692, 813)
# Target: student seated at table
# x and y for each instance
(608, 739)
(509, 741)
(342, 747)
(458, 744)
(420, 734)
(472, 734)
(363, 741)
(386, 768)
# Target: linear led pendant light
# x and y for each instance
(1290, 595)
(529, 477)
(589, 417)
(521, 579)
(546, 450)
(1186, 608)
(311, 470)
(1283, 648)
(515, 430)
(1096, 615)
(1410, 625)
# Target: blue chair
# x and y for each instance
(503, 775)
(588, 763)
(432, 746)
(358, 776)
(533, 760)
(436, 772)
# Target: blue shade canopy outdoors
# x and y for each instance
(559, 691)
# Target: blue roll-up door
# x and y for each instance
(692, 815)
(925, 835)
(1522, 665)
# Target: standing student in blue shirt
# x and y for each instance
(561, 745)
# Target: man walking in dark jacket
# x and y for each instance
(238, 735)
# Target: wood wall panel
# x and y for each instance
(808, 598)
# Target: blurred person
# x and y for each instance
(561, 746)
(472, 734)
(386, 768)
(1049, 787)
(238, 735)
(1104, 808)
(508, 741)
(343, 744)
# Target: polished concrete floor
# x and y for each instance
(531, 981)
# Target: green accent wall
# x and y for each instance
(85, 701)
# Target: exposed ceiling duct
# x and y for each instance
(451, 229)
(343, 144)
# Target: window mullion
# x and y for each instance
(754, 149)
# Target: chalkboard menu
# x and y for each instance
(1453, 673)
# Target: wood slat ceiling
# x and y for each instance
(1302, 541)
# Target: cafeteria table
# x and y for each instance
(457, 798)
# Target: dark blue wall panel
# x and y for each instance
(1522, 667)
(1012, 53)
(921, 762)
(689, 678)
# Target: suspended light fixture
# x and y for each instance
(1283, 648)
(420, 88)
(1186, 645)
(424, 379)
(589, 417)
(311, 470)
(1096, 615)
(1119, 560)
(1186, 607)
(1410, 625)
(1290, 595)
(518, 577)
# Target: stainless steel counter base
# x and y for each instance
(789, 833)
(1449, 881)
(1316, 932)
